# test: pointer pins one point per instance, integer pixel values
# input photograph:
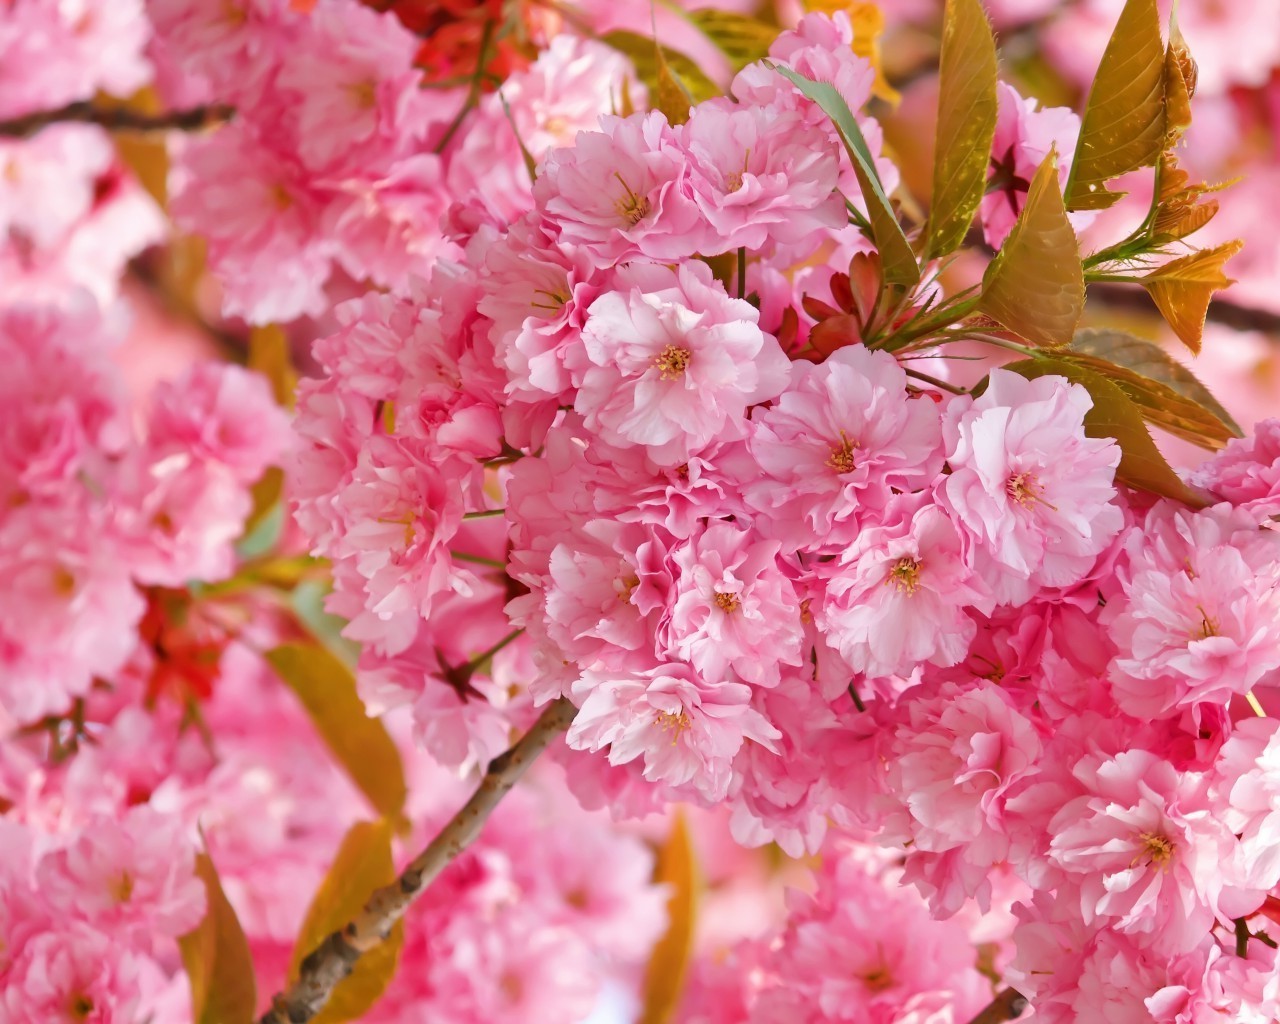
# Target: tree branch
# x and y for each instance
(118, 119)
(1221, 310)
(335, 957)
(1007, 1005)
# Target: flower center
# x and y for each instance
(550, 301)
(841, 457)
(671, 362)
(632, 207)
(1207, 626)
(1026, 490)
(727, 602)
(878, 979)
(1157, 849)
(80, 1007)
(674, 722)
(122, 888)
(905, 574)
(626, 586)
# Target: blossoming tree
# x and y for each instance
(681, 436)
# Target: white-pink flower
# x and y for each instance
(836, 444)
(734, 607)
(687, 730)
(673, 362)
(1031, 491)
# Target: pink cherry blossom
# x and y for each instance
(827, 453)
(1030, 490)
(1246, 472)
(672, 362)
(687, 729)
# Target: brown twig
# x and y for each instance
(1007, 1005)
(116, 119)
(336, 956)
(1221, 310)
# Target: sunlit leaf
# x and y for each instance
(741, 38)
(269, 354)
(1183, 288)
(1124, 122)
(1035, 285)
(967, 107)
(669, 964)
(1114, 415)
(671, 96)
(1179, 85)
(217, 959)
(363, 863)
(1167, 394)
(327, 689)
(899, 261)
(644, 55)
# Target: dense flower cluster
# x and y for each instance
(620, 418)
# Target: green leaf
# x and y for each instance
(269, 355)
(327, 689)
(217, 959)
(744, 40)
(967, 108)
(644, 54)
(1166, 392)
(1124, 121)
(669, 964)
(899, 261)
(363, 863)
(1035, 285)
(1183, 289)
(1113, 415)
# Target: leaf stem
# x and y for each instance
(477, 82)
(1007, 1005)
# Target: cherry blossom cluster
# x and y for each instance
(340, 155)
(588, 460)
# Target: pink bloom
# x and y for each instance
(132, 876)
(673, 362)
(1249, 793)
(1141, 849)
(1030, 490)
(952, 764)
(1200, 614)
(72, 975)
(687, 730)
(623, 192)
(1024, 137)
(221, 414)
(898, 595)
(734, 608)
(761, 175)
(1246, 472)
(833, 446)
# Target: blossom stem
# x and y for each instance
(473, 93)
(121, 119)
(336, 956)
(857, 701)
(1255, 704)
(742, 272)
(1242, 937)
(480, 659)
(940, 384)
(488, 513)
(1007, 1005)
(492, 563)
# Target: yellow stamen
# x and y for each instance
(674, 722)
(671, 362)
(905, 574)
(841, 457)
(633, 208)
(728, 602)
(1157, 849)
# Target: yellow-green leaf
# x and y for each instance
(269, 355)
(673, 98)
(1113, 415)
(741, 38)
(363, 863)
(1035, 285)
(967, 107)
(217, 959)
(1124, 122)
(665, 977)
(644, 55)
(1167, 394)
(327, 689)
(1183, 289)
(900, 266)
(1179, 85)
